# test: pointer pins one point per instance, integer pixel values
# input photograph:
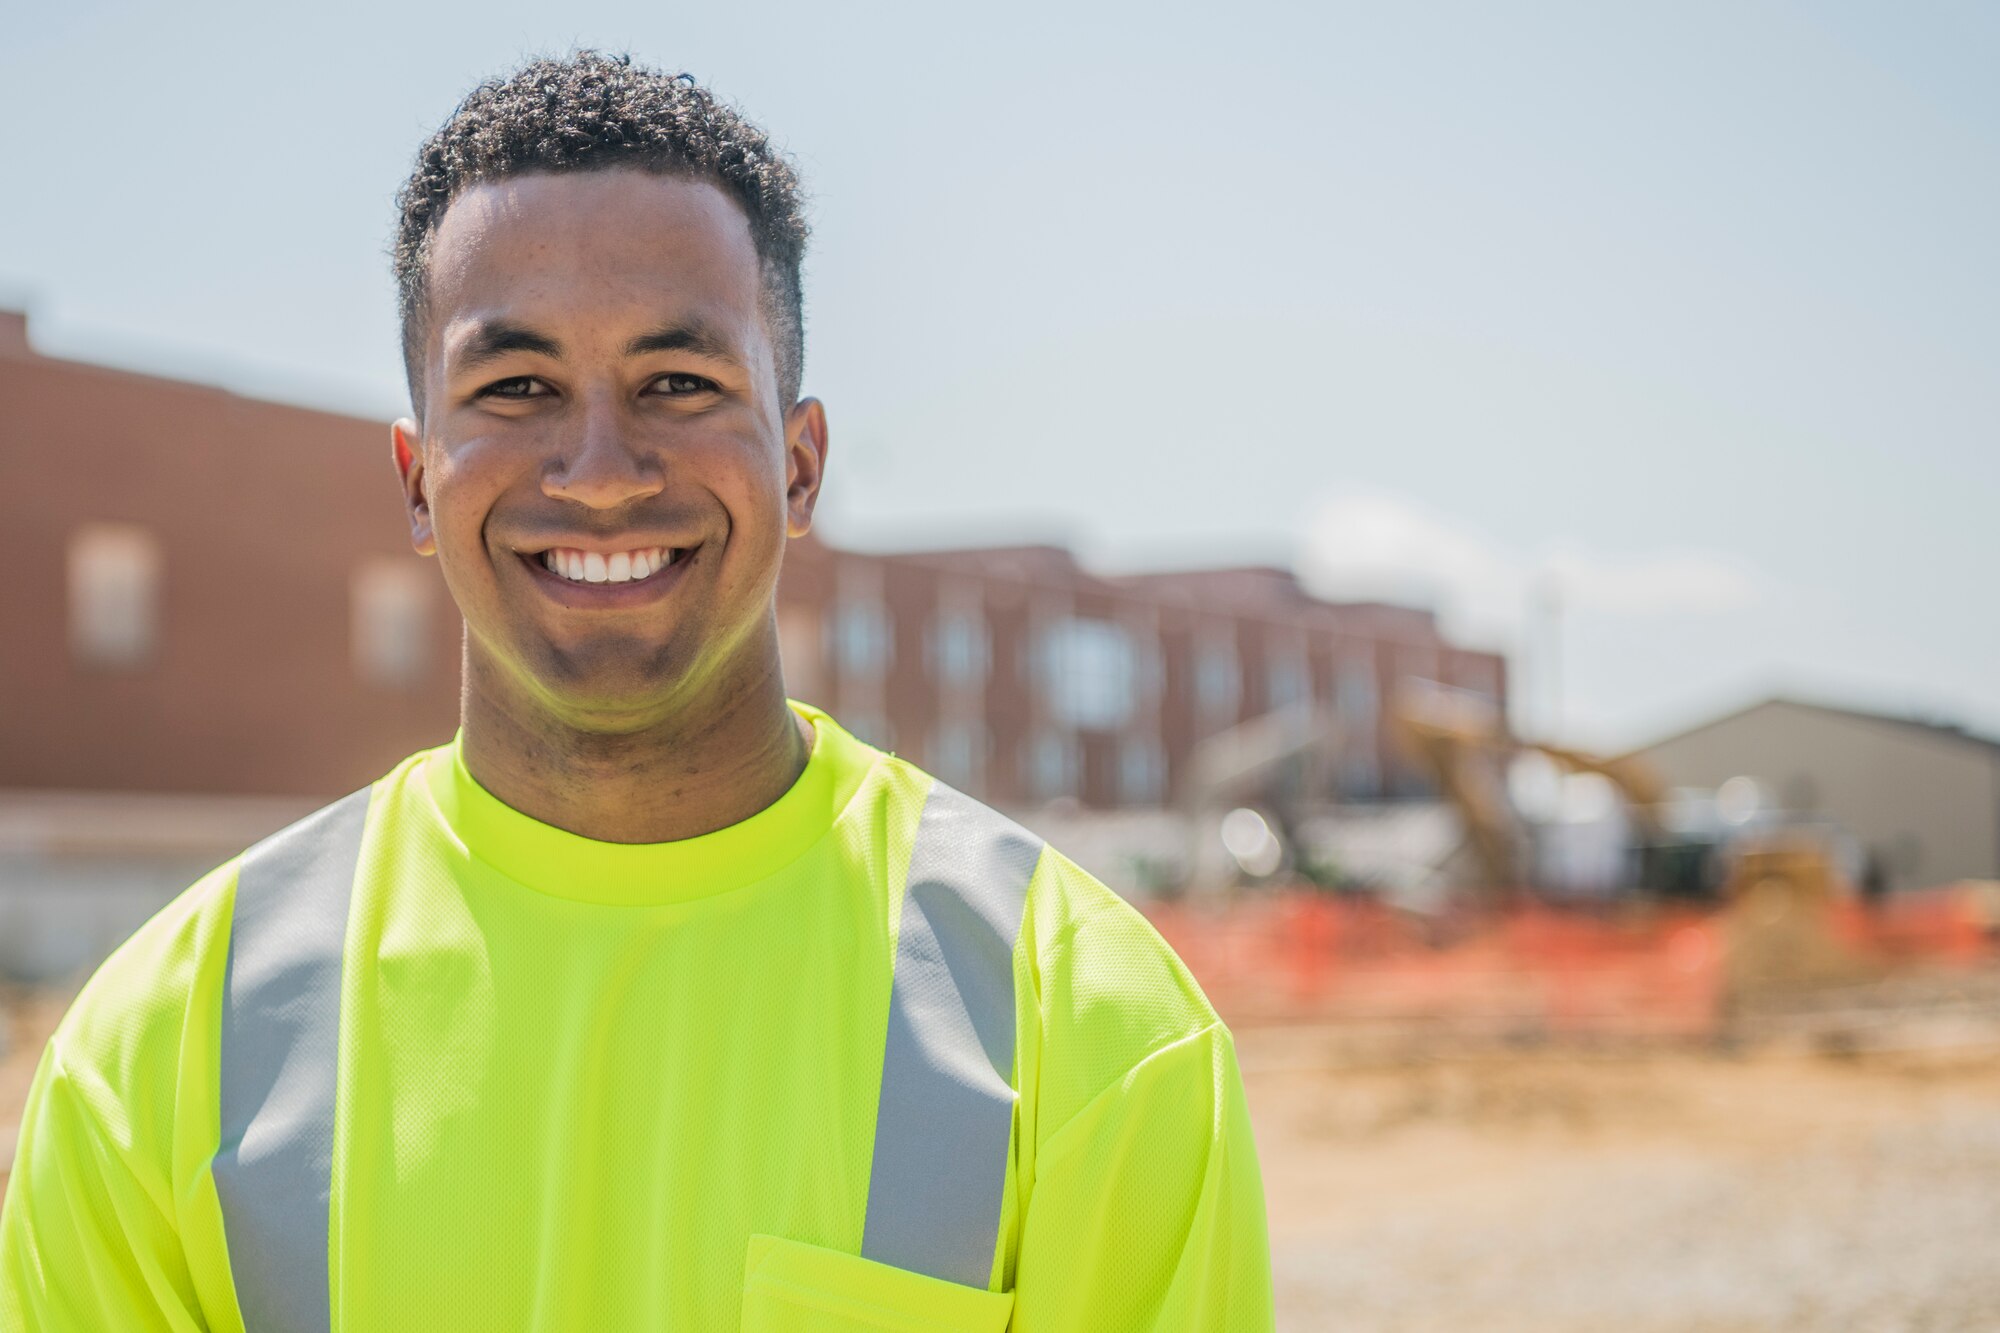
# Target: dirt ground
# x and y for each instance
(1486, 1191)
(1775, 1191)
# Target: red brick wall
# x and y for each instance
(261, 513)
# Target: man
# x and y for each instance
(652, 1000)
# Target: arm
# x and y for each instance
(1147, 1213)
(86, 1233)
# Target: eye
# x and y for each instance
(515, 386)
(677, 383)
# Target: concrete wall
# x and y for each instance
(60, 918)
(80, 871)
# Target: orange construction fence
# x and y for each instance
(1535, 970)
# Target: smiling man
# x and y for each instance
(653, 1000)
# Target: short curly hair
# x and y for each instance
(590, 112)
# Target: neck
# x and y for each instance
(702, 768)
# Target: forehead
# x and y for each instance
(593, 245)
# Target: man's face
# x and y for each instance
(605, 472)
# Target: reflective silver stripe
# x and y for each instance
(945, 1119)
(279, 1059)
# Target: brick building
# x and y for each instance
(210, 594)
(1016, 674)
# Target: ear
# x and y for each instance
(406, 446)
(805, 463)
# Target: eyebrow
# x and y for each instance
(492, 339)
(693, 337)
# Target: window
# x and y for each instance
(1354, 695)
(958, 754)
(391, 620)
(1142, 771)
(114, 594)
(1218, 680)
(798, 650)
(1152, 666)
(861, 640)
(960, 649)
(1286, 684)
(872, 728)
(1088, 673)
(1054, 762)
(1356, 700)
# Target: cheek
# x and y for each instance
(470, 478)
(749, 483)
(747, 475)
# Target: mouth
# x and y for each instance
(607, 579)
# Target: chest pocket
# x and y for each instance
(791, 1287)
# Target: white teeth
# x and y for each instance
(620, 567)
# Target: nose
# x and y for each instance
(601, 467)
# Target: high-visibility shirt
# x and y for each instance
(573, 1084)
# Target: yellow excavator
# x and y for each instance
(1777, 886)
(1465, 744)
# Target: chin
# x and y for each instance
(613, 684)
(611, 681)
(611, 710)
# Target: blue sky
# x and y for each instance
(1690, 311)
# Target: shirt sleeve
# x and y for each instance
(86, 1240)
(1147, 1210)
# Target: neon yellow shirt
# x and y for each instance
(588, 1085)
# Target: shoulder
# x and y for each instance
(143, 1012)
(146, 1021)
(1111, 994)
(1100, 992)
